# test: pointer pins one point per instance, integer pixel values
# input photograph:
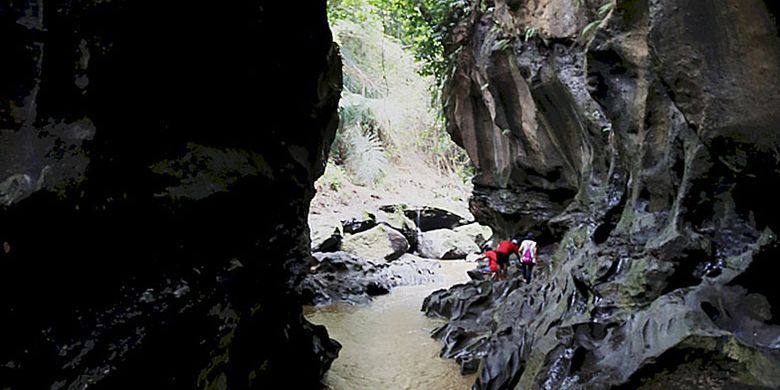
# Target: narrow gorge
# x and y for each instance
(158, 162)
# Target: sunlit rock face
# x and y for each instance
(643, 148)
(156, 166)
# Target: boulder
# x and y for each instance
(429, 218)
(446, 244)
(379, 242)
(358, 222)
(342, 277)
(399, 222)
(325, 233)
(473, 257)
(479, 233)
(411, 270)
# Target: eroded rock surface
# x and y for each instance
(638, 150)
(156, 166)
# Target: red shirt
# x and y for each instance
(491, 255)
(508, 247)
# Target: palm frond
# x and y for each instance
(365, 158)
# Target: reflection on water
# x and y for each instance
(387, 344)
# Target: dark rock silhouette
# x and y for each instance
(156, 166)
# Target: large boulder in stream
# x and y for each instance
(157, 161)
(342, 277)
(446, 244)
(637, 141)
(477, 232)
(378, 243)
(401, 223)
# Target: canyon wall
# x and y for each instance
(638, 141)
(156, 168)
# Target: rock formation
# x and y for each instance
(342, 277)
(156, 166)
(446, 244)
(378, 243)
(480, 234)
(637, 140)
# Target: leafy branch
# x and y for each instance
(593, 26)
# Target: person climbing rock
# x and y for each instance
(492, 266)
(528, 258)
(506, 248)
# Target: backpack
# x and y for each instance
(527, 256)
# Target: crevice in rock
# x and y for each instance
(578, 359)
(761, 278)
(609, 221)
(711, 311)
(684, 274)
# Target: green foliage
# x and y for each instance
(334, 177)
(603, 12)
(421, 25)
(357, 145)
(386, 111)
(444, 154)
(605, 8)
(530, 32)
(367, 159)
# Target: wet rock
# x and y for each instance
(136, 167)
(339, 276)
(427, 217)
(342, 277)
(636, 151)
(411, 270)
(379, 243)
(446, 244)
(478, 233)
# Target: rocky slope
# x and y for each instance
(639, 148)
(156, 168)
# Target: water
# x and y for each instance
(387, 344)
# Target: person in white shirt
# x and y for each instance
(527, 256)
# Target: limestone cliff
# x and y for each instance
(640, 138)
(156, 166)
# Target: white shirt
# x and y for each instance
(528, 245)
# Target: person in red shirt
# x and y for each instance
(492, 261)
(503, 251)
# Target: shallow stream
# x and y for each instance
(387, 343)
